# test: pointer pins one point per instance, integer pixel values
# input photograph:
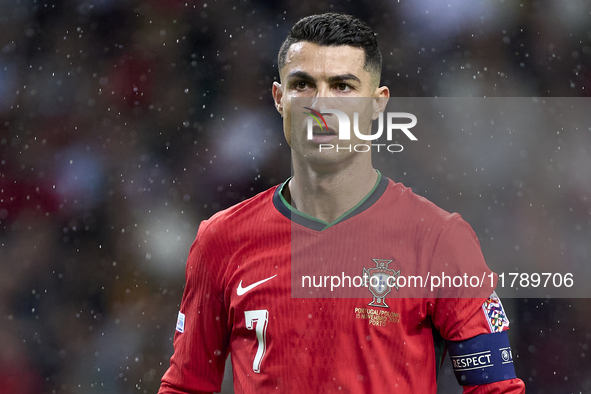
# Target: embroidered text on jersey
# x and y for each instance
(241, 290)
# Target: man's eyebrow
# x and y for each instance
(343, 77)
(300, 74)
(335, 78)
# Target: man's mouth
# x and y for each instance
(323, 131)
(323, 135)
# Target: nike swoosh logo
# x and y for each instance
(241, 290)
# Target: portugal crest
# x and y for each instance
(380, 280)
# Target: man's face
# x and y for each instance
(325, 77)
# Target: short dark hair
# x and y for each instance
(333, 29)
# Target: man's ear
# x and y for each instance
(277, 96)
(381, 97)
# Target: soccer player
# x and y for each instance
(335, 209)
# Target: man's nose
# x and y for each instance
(321, 100)
(323, 90)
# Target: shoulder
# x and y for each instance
(238, 218)
(417, 209)
(219, 236)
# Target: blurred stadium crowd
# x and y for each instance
(124, 123)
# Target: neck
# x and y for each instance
(327, 195)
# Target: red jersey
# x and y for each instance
(245, 296)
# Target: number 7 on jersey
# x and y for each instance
(258, 319)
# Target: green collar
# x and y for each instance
(319, 225)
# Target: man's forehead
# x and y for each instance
(328, 59)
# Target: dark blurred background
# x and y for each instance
(123, 124)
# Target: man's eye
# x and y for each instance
(343, 87)
(301, 85)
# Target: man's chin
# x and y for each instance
(325, 157)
